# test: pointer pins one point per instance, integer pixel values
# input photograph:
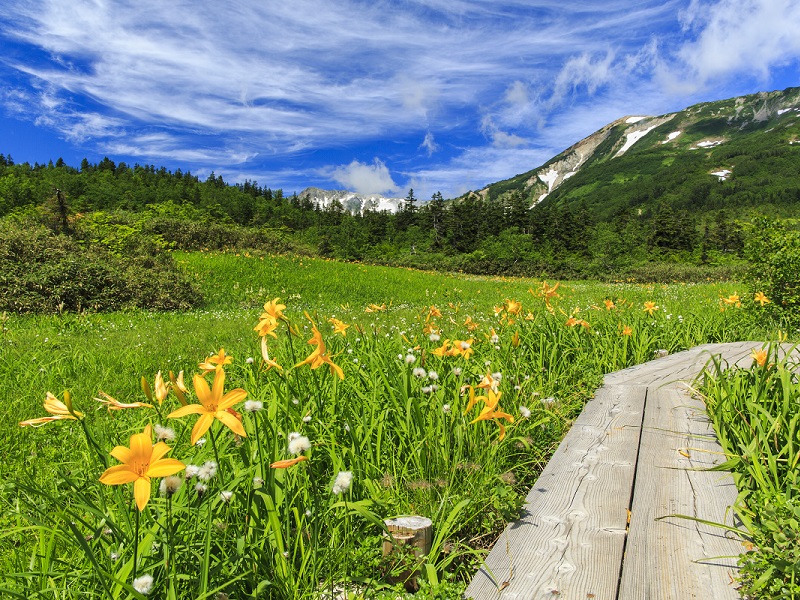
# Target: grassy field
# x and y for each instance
(453, 392)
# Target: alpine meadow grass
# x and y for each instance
(252, 449)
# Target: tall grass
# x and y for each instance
(399, 421)
(756, 413)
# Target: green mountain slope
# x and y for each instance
(740, 154)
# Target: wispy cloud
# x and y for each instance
(280, 88)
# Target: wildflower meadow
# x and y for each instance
(254, 449)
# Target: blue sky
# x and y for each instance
(368, 95)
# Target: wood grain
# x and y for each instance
(678, 558)
(569, 542)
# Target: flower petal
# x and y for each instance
(202, 390)
(202, 425)
(231, 422)
(159, 450)
(165, 467)
(141, 492)
(122, 454)
(189, 409)
(118, 475)
(231, 398)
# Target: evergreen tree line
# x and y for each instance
(474, 233)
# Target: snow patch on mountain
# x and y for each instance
(722, 174)
(671, 137)
(550, 179)
(351, 201)
(632, 138)
(706, 144)
(634, 119)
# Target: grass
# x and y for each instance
(756, 413)
(400, 421)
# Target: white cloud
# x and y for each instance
(365, 178)
(591, 71)
(429, 143)
(738, 37)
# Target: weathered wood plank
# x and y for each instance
(677, 558)
(682, 365)
(569, 542)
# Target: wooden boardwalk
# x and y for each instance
(591, 526)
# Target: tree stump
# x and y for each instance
(413, 531)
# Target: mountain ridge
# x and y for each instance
(704, 126)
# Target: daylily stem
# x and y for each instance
(136, 544)
(216, 456)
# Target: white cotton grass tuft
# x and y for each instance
(143, 584)
(418, 372)
(342, 483)
(298, 443)
(170, 485)
(525, 412)
(226, 496)
(192, 471)
(410, 358)
(164, 434)
(208, 470)
(253, 405)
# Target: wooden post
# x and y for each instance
(403, 531)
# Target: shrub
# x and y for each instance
(774, 252)
(44, 272)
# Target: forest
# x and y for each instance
(112, 204)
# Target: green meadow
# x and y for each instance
(367, 392)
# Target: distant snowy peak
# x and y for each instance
(351, 201)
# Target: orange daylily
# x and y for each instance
(289, 462)
(375, 308)
(572, 321)
(434, 312)
(761, 298)
(274, 309)
(650, 307)
(319, 356)
(112, 404)
(513, 307)
(461, 348)
(609, 304)
(442, 350)
(490, 411)
(140, 462)
(179, 387)
(732, 300)
(470, 324)
(627, 330)
(759, 356)
(338, 326)
(265, 355)
(216, 360)
(488, 383)
(58, 411)
(430, 328)
(213, 405)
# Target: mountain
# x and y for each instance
(350, 201)
(733, 153)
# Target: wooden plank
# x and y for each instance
(677, 558)
(569, 542)
(682, 365)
